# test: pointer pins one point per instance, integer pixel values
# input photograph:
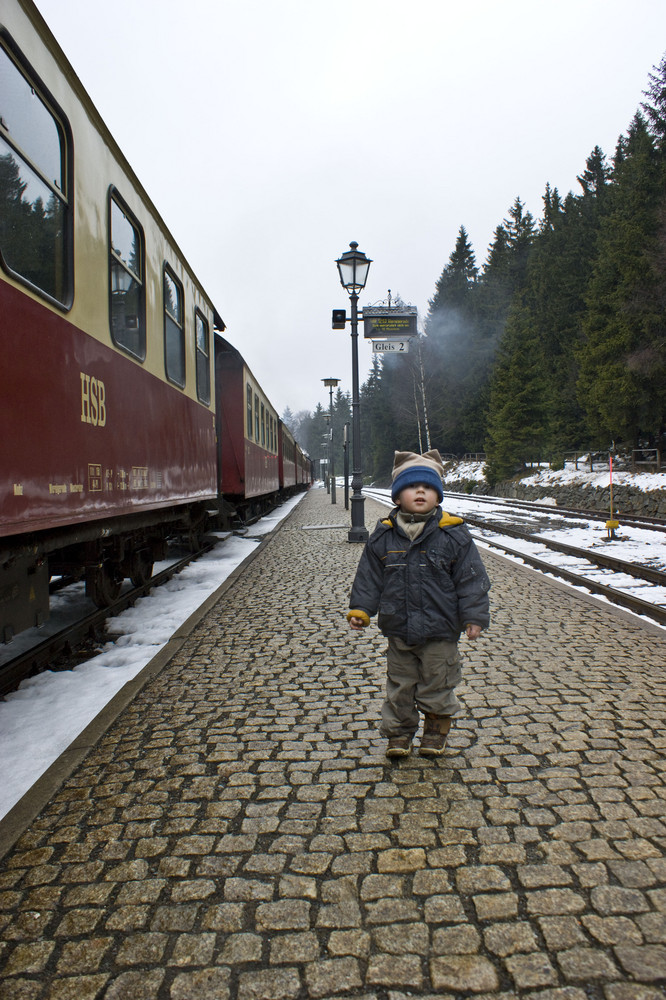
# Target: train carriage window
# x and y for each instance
(174, 330)
(249, 410)
(203, 357)
(127, 308)
(257, 434)
(35, 181)
(263, 426)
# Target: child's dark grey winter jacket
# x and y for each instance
(429, 588)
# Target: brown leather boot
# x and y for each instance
(399, 746)
(435, 730)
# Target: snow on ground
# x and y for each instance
(48, 711)
(568, 476)
(599, 477)
(457, 472)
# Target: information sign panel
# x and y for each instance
(384, 322)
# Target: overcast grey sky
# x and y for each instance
(271, 133)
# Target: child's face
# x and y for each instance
(418, 499)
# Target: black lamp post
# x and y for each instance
(353, 267)
(330, 384)
(324, 463)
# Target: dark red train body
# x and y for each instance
(68, 456)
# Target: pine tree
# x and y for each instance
(596, 175)
(288, 419)
(378, 423)
(450, 346)
(655, 107)
(506, 325)
(504, 272)
(457, 280)
(516, 430)
(623, 358)
(558, 275)
(311, 429)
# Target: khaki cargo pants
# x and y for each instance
(419, 678)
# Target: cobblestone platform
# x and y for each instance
(238, 833)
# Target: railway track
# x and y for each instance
(654, 523)
(637, 584)
(86, 631)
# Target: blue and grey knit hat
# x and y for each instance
(410, 468)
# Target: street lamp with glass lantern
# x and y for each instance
(353, 267)
(331, 384)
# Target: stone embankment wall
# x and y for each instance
(626, 499)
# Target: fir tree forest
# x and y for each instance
(556, 343)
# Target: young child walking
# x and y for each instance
(422, 572)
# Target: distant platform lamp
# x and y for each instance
(331, 384)
(353, 267)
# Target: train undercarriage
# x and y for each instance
(103, 553)
(107, 552)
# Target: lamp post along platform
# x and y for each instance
(331, 384)
(353, 267)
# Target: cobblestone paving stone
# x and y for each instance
(238, 833)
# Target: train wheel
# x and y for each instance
(103, 583)
(141, 567)
(195, 539)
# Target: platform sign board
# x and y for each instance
(390, 347)
(382, 323)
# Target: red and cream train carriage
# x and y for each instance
(295, 464)
(288, 457)
(257, 454)
(304, 471)
(107, 411)
(248, 427)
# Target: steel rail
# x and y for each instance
(655, 523)
(635, 604)
(588, 555)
